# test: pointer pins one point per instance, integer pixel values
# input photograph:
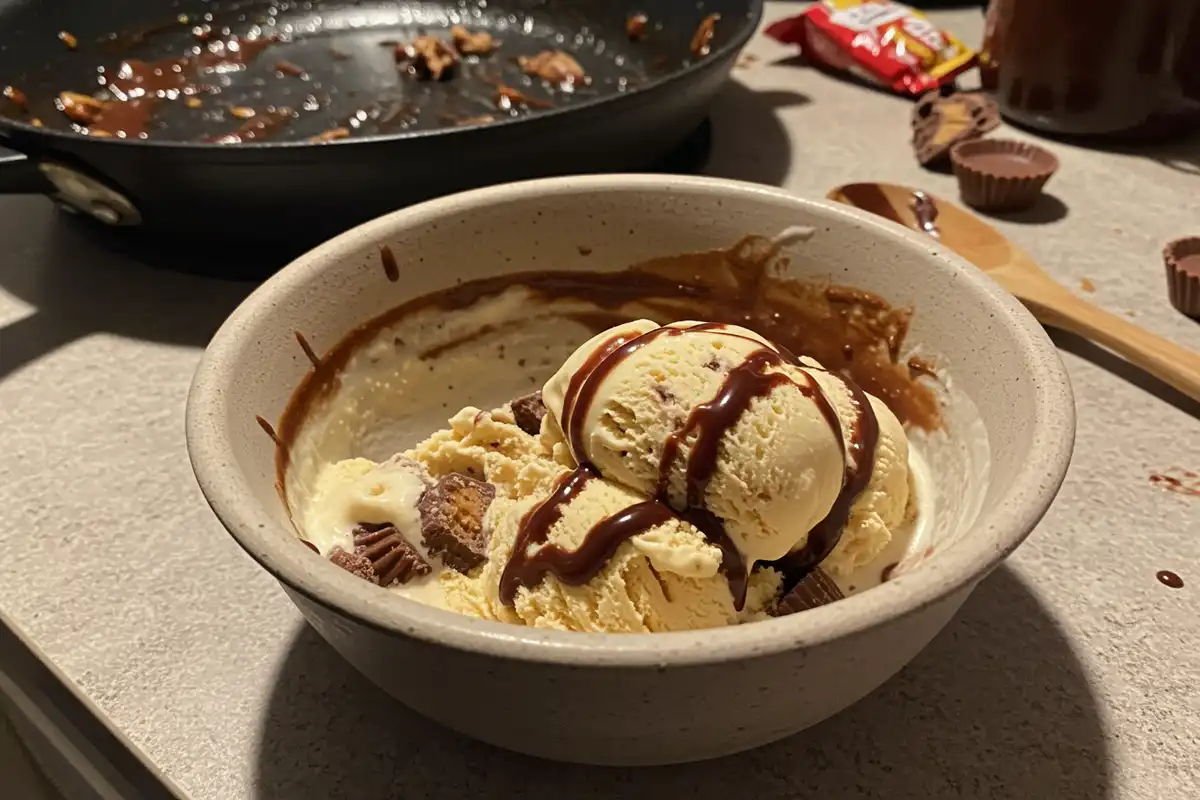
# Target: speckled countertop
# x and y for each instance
(1071, 672)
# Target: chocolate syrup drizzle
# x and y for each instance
(532, 558)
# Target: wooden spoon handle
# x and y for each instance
(1167, 361)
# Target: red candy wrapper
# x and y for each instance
(884, 42)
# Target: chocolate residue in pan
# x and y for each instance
(635, 27)
(68, 39)
(124, 40)
(554, 66)
(219, 51)
(736, 285)
(309, 353)
(137, 86)
(106, 118)
(331, 135)
(80, 108)
(702, 38)
(17, 98)
(479, 119)
(266, 426)
(398, 114)
(472, 44)
(508, 99)
(233, 53)
(427, 58)
(261, 126)
(390, 268)
(287, 68)
(135, 78)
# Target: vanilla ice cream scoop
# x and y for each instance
(758, 449)
(596, 556)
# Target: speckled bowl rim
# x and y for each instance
(993, 535)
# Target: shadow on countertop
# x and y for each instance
(1131, 373)
(749, 142)
(996, 706)
(78, 288)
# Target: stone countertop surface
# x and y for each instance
(1070, 673)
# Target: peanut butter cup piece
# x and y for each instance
(354, 563)
(940, 121)
(393, 558)
(1182, 259)
(452, 520)
(817, 589)
(1001, 174)
(528, 412)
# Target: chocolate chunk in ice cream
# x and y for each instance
(392, 558)
(817, 589)
(452, 520)
(528, 412)
(354, 563)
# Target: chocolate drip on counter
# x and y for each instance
(533, 557)
(1169, 579)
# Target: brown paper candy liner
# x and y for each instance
(1182, 259)
(815, 590)
(1001, 174)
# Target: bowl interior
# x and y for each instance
(1006, 404)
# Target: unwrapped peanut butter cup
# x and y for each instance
(941, 120)
(1001, 174)
(1182, 258)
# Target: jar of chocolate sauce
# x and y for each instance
(1096, 67)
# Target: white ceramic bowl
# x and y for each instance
(626, 699)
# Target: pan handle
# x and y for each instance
(19, 175)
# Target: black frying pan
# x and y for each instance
(409, 139)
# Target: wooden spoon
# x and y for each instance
(1013, 268)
